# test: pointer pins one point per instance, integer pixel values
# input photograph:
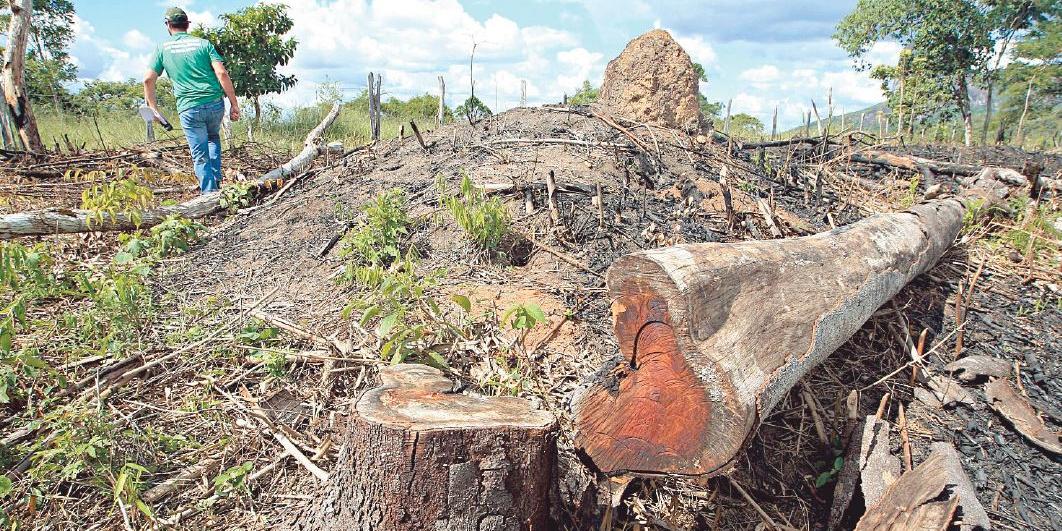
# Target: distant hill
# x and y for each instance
(1040, 131)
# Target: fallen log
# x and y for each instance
(418, 456)
(714, 335)
(66, 221)
(913, 163)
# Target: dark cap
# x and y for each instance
(176, 15)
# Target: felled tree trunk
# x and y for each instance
(65, 221)
(14, 75)
(417, 456)
(714, 335)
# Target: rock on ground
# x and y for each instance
(653, 81)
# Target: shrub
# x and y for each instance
(485, 221)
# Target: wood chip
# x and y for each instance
(971, 368)
(950, 391)
(928, 497)
(1007, 402)
(878, 467)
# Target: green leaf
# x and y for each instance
(369, 314)
(536, 313)
(437, 360)
(5, 486)
(144, 508)
(386, 325)
(823, 479)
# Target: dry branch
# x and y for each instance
(65, 221)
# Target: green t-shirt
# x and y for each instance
(187, 60)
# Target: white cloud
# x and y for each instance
(700, 51)
(411, 42)
(97, 58)
(884, 53)
(136, 40)
(760, 77)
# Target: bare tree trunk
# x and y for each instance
(991, 82)
(14, 75)
(963, 97)
(70, 221)
(774, 124)
(418, 456)
(703, 362)
(726, 121)
(1019, 135)
(899, 110)
(372, 106)
(257, 112)
(441, 119)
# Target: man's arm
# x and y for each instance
(230, 91)
(149, 89)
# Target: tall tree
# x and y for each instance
(48, 68)
(14, 75)
(951, 38)
(1036, 71)
(1009, 20)
(253, 44)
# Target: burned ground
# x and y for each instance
(672, 191)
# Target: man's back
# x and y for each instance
(187, 60)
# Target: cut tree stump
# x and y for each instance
(418, 456)
(714, 335)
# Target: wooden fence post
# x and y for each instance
(774, 123)
(375, 80)
(442, 102)
(726, 121)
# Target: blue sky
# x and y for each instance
(758, 53)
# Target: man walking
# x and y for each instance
(200, 84)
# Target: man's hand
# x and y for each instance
(234, 112)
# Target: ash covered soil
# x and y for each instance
(671, 194)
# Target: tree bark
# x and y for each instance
(64, 221)
(418, 456)
(963, 97)
(257, 112)
(14, 75)
(714, 335)
(929, 497)
(1019, 136)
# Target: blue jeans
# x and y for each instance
(202, 128)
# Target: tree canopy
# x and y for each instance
(586, 95)
(474, 109)
(949, 40)
(253, 44)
